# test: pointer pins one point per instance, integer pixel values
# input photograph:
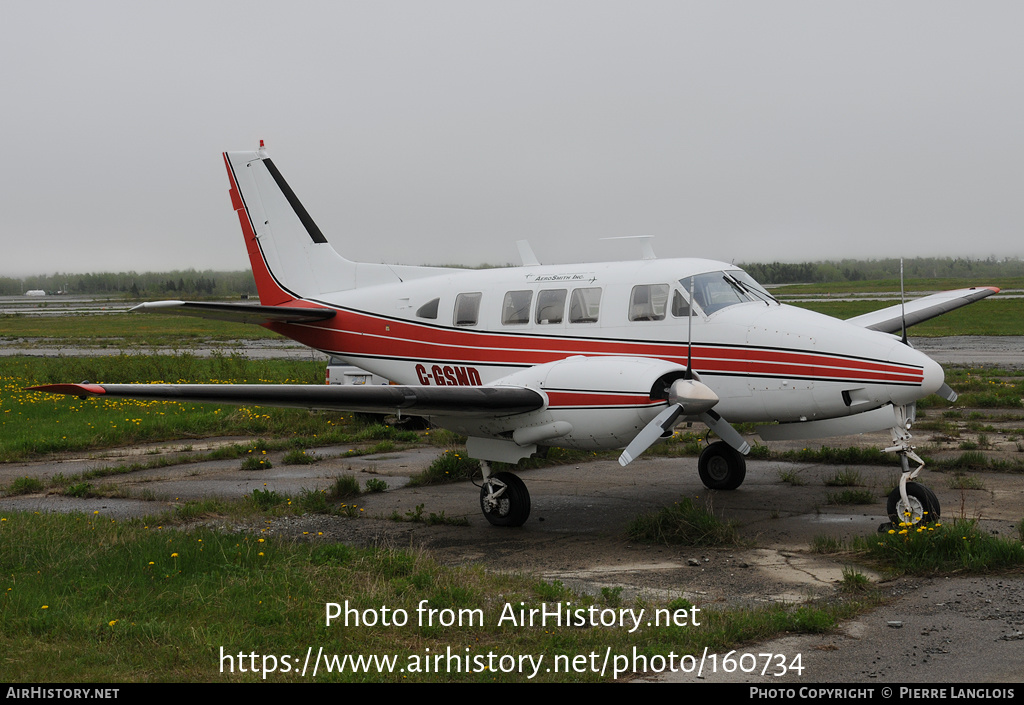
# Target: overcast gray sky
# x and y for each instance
(441, 132)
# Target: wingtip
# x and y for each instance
(73, 389)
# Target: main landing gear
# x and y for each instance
(721, 467)
(504, 499)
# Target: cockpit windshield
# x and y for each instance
(714, 291)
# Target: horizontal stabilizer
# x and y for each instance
(412, 400)
(238, 313)
(890, 320)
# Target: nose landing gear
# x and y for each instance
(910, 503)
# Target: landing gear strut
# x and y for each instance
(910, 503)
(504, 499)
(721, 467)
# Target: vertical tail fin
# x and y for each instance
(291, 259)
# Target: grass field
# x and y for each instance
(991, 316)
(128, 330)
(913, 287)
(83, 598)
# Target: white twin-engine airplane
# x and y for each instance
(589, 356)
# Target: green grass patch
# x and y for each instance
(827, 545)
(25, 485)
(375, 484)
(453, 465)
(791, 477)
(837, 456)
(968, 460)
(343, 487)
(299, 457)
(683, 523)
(256, 462)
(957, 546)
(854, 581)
(850, 497)
(845, 478)
(960, 481)
(416, 515)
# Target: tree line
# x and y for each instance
(178, 283)
(849, 270)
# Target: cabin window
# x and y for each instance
(467, 309)
(429, 309)
(584, 305)
(680, 307)
(648, 302)
(551, 305)
(516, 308)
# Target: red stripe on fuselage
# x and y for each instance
(362, 334)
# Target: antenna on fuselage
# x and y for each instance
(526, 254)
(903, 305)
(689, 336)
(646, 250)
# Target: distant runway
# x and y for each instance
(252, 349)
(998, 351)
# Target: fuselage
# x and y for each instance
(766, 361)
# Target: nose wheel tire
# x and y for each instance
(923, 508)
(504, 499)
(721, 467)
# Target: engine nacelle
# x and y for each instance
(592, 403)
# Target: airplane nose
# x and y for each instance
(933, 376)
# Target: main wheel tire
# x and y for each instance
(923, 508)
(504, 500)
(721, 467)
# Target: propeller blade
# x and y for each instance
(725, 431)
(650, 433)
(947, 393)
(686, 396)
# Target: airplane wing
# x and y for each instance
(412, 400)
(237, 313)
(890, 320)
